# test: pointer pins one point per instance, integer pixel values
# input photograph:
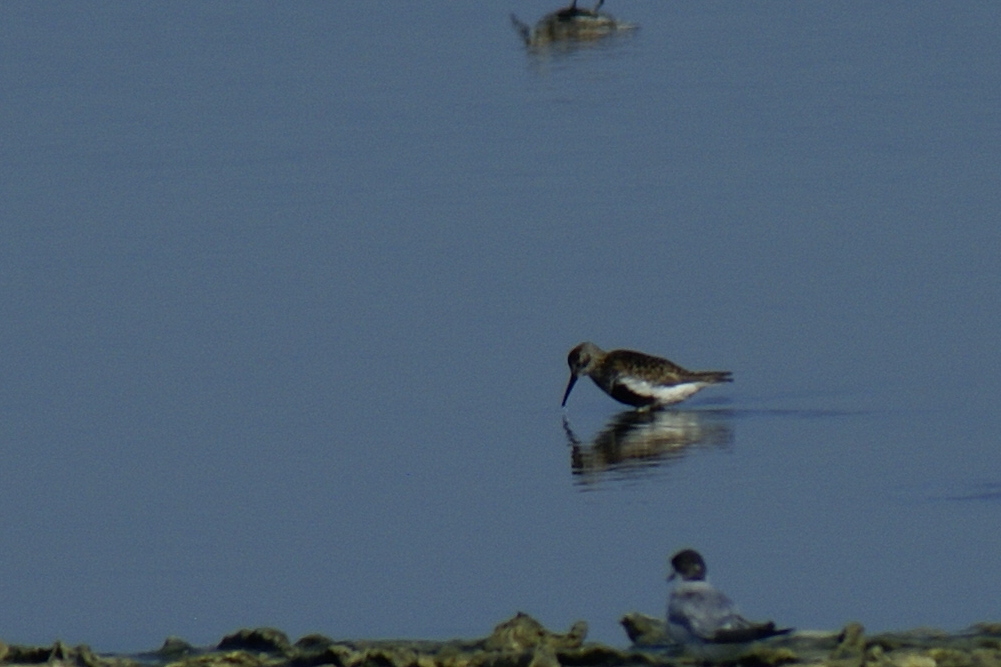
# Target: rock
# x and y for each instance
(314, 642)
(763, 655)
(28, 655)
(851, 645)
(261, 640)
(949, 657)
(544, 656)
(524, 632)
(523, 642)
(913, 660)
(60, 652)
(987, 629)
(175, 648)
(645, 630)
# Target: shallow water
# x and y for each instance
(288, 292)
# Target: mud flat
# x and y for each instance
(524, 642)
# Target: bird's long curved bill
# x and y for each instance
(573, 380)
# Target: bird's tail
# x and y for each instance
(714, 377)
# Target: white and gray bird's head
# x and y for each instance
(688, 565)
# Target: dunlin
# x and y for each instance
(702, 618)
(637, 379)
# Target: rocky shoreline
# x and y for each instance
(523, 642)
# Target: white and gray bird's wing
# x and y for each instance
(703, 611)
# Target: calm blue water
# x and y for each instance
(286, 293)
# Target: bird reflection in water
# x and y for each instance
(634, 442)
(570, 25)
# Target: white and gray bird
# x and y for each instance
(703, 619)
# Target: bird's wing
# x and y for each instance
(703, 611)
(648, 367)
(748, 632)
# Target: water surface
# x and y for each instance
(287, 293)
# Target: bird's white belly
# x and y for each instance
(663, 394)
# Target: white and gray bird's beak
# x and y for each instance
(566, 394)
